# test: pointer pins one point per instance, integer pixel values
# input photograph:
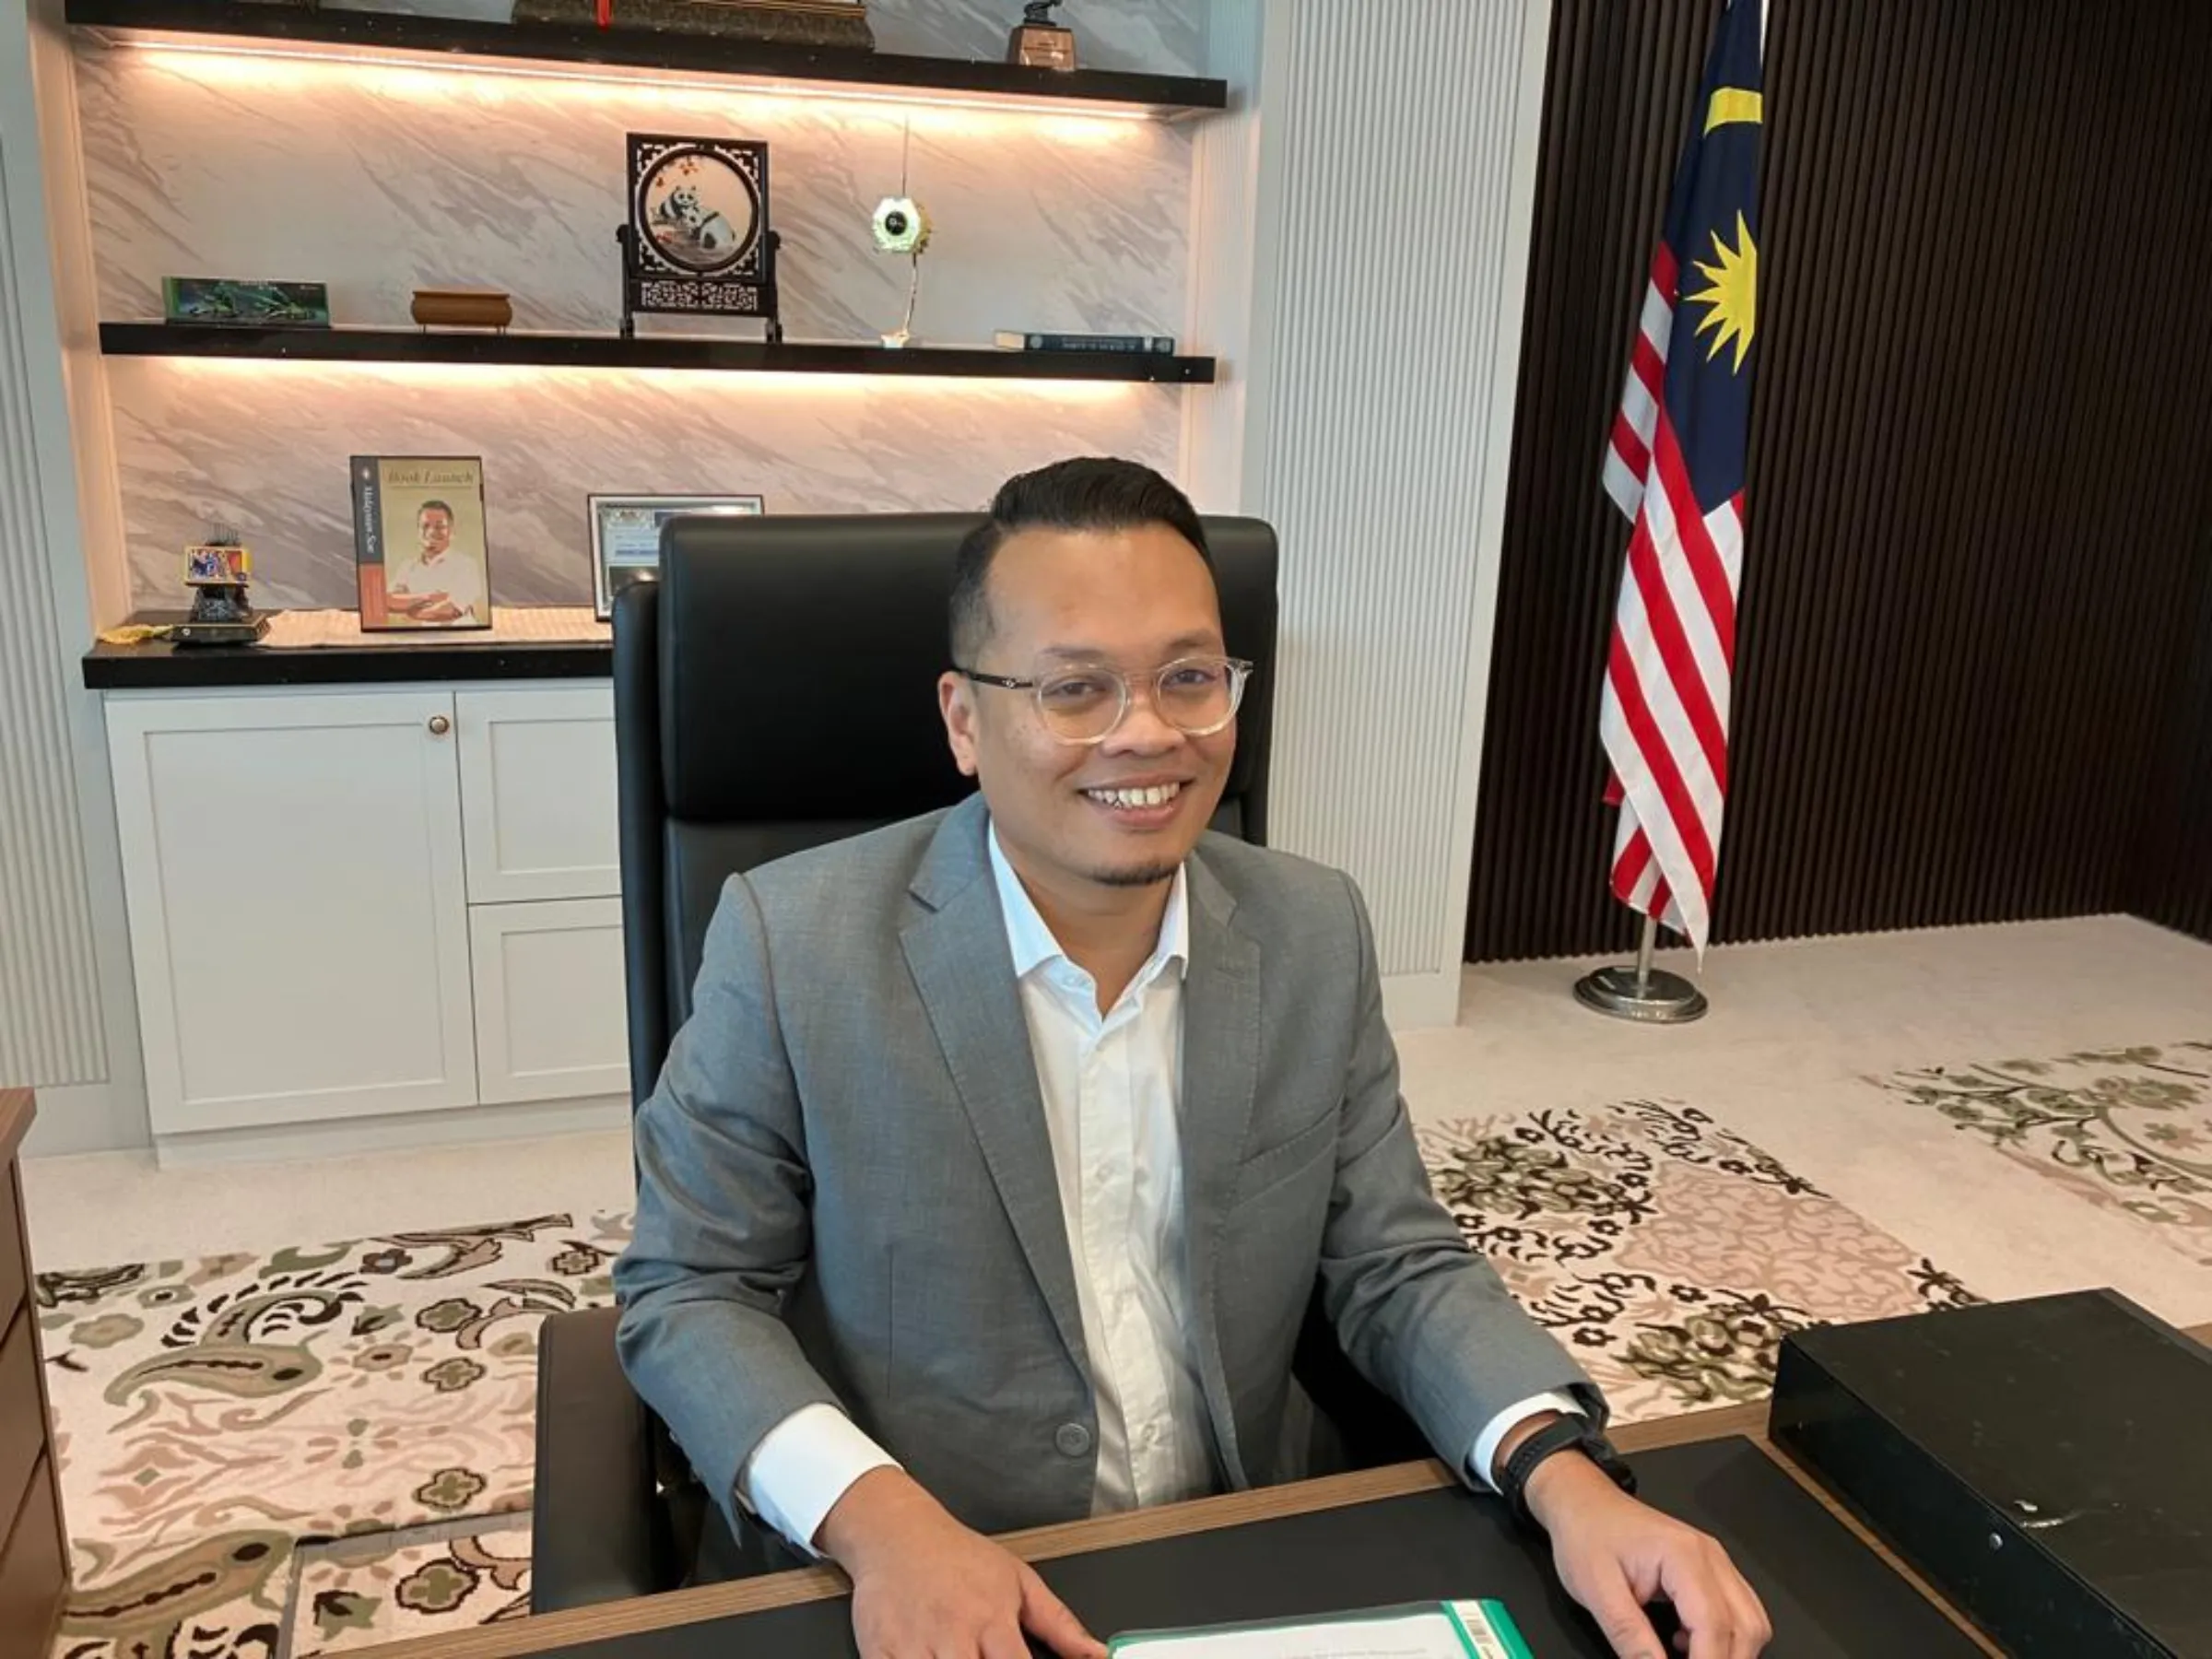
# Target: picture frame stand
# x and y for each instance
(697, 240)
(625, 238)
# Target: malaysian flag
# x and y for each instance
(1676, 467)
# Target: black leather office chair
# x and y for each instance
(775, 690)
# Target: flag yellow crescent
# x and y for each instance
(1729, 105)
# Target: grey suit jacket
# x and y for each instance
(846, 1191)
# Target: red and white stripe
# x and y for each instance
(1664, 719)
(1629, 455)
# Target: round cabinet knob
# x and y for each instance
(439, 725)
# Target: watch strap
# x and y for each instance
(1567, 1434)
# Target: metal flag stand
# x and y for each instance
(1643, 993)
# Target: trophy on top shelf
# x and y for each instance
(218, 571)
(1037, 41)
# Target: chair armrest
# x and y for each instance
(1359, 1424)
(596, 1527)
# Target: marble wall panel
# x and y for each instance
(263, 447)
(381, 180)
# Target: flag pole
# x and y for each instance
(1644, 947)
(1648, 994)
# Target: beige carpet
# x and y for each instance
(2127, 1131)
(319, 1450)
(1670, 1255)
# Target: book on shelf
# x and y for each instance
(1014, 339)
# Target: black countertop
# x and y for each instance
(160, 666)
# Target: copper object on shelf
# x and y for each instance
(462, 308)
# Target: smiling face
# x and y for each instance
(435, 526)
(1126, 811)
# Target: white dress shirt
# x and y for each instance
(459, 578)
(1111, 1084)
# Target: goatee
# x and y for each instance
(1139, 876)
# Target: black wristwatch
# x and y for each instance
(1571, 1433)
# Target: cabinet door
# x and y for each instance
(550, 1019)
(299, 920)
(538, 792)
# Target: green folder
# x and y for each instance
(1482, 1629)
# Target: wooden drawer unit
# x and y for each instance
(22, 1410)
(14, 1266)
(34, 1570)
(33, 1575)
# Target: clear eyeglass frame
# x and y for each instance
(1239, 671)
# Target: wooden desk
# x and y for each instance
(555, 1630)
(33, 1552)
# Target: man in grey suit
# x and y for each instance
(989, 1180)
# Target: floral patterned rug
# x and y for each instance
(222, 1423)
(323, 1449)
(2126, 1129)
(1669, 1255)
(361, 1592)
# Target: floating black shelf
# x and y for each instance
(336, 33)
(160, 666)
(646, 352)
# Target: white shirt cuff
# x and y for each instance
(802, 1467)
(1485, 1455)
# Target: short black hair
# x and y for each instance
(428, 505)
(1089, 493)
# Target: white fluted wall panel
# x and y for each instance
(1225, 183)
(1388, 298)
(50, 1006)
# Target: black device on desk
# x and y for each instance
(1830, 1597)
(2046, 1463)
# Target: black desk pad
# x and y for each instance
(1829, 1596)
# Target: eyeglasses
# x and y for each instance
(1196, 695)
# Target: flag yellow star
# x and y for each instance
(1731, 293)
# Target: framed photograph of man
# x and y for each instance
(626, 537)
(420, 553)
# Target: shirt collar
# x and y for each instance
(1033, 943)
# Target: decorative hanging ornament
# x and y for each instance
(901, 226)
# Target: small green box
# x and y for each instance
(221, 301)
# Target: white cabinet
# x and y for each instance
(538, 792)
(548, 992)
(299, 925)
(352, 905)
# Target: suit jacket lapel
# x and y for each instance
(957, 951)
(1220, 1071)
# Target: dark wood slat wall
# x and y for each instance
(1980, 478)
(2175, 862)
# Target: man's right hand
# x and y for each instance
(925, 1587)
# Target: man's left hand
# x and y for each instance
(1614, 1555)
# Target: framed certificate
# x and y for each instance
(626, 537)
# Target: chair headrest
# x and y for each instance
(804, 654)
